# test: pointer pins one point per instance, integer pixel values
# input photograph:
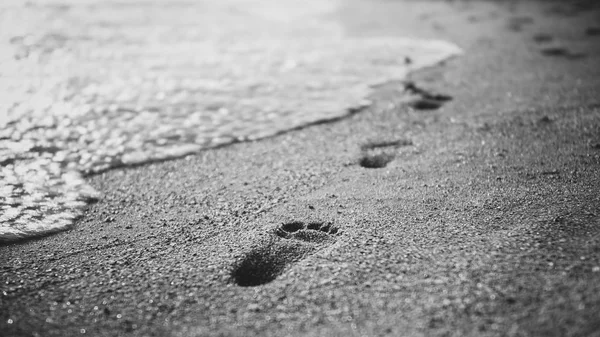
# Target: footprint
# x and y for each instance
(426, 104)
(592, 31)
(558, 51)
(542, 38)
(378, 154)
(555, 51)
(290, 243)
(425, 100)
(375, 160)
(411, 87)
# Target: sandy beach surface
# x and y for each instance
(463, 202)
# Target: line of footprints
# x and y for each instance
(292, 241)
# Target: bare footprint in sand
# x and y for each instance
(289, 243)
(559, 51)
(380, 154)
(424, 99)
(592, 31)
(542, 38)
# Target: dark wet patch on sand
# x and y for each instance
(292, 242)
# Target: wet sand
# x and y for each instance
(471, 216)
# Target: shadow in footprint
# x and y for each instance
(291, 243)
(425, 100)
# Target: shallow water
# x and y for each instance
(91, 85)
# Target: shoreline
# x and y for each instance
(190, 94)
